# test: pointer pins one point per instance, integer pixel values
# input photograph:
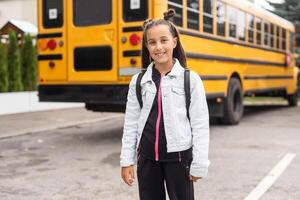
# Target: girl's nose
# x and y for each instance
(158, 46)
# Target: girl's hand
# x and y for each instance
(194, 179)
(128, 175)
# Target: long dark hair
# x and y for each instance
(178, 51)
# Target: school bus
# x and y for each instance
(89, 50)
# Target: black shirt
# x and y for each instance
(147, 143)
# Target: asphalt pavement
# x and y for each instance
(32, 122)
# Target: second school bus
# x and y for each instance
(88, 51)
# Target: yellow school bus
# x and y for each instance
(89, 49)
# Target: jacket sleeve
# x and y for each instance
(199, 119)
(130, 129)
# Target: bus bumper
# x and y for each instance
(110, 98)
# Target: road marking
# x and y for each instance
(268, 181)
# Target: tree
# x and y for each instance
(14, 64)
(289, 9)
(29, 68)
(3, 69)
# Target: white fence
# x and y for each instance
(19, 102)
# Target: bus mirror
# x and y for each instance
(288, 59)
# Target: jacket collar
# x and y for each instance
(176, 71)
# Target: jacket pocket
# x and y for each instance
(147, 96)
(178, 91)
(178, 99)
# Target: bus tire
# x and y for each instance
(293, 98)
(233, 104)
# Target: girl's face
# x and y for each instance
(160, 44)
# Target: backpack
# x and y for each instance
(186, 89)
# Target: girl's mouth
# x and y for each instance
(160, 54)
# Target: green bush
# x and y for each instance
(3, 69)
(14, 64)
(29, 64)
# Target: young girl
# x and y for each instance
(169, 147)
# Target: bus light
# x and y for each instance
(51, 64)
(43, 44)
(123, 40)
(132, 61)
(219, 100)
(134, 39)
(52, 44)
(60, 43)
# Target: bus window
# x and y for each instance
(92, 58)
(250, 25)
(272, 35)
(193, 14)
(177, 6)
(258, 31)
(92, 12)
(292, 41)
(266, 34)
(278, 37)
(241, 24)
(208, 16)
(135, 10)
(232, 21)
(283, 40)
(52, 13)
(220, 18)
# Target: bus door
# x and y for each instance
(131, 17)
(92, 40)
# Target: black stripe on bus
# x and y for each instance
(213, 78)
(228, 59)
(267, 77)
(49, 35)
(266, 90)
(215, 95)
(50, 57)
(212, 57)
(132, 53)
(132, 29)
(199, 35)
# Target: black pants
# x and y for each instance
(152, 175)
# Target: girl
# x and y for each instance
(169, 146)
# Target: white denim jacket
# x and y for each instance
(181, 134)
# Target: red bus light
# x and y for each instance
(52, 44)
(134, 39)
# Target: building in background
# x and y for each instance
(20, 27)
(25, 10)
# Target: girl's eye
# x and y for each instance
(164, 40)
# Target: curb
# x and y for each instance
(22, 102)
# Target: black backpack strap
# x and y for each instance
(139, 88)
(187, 91)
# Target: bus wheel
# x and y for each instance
(233, 104)
(293, 98)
